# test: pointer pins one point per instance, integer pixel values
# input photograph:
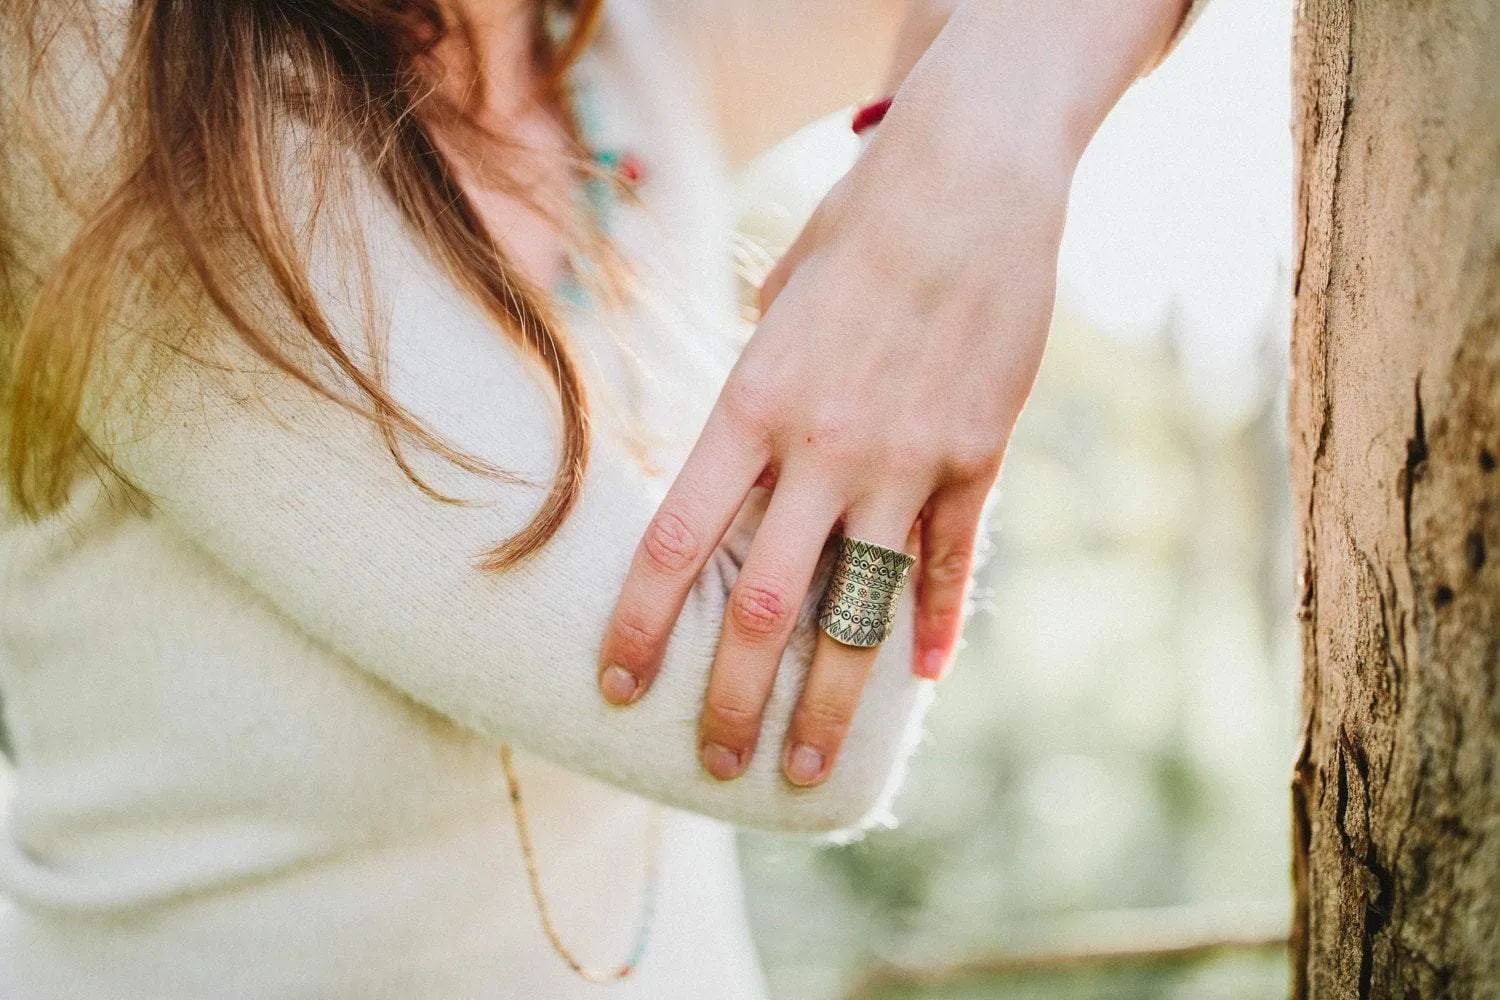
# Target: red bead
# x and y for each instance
(870, 115)
(632, 170)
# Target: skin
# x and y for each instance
(484, 66)
(929, 271)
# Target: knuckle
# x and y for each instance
(909, 451)
(974, 459)
(728, 715)
(827, 719)
(948, 567)
(828, 424)
(833, 435)
(942, 618)
(749, 405)
(669, 544)
(632, 642)
(758, 613)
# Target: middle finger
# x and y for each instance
(762, 610)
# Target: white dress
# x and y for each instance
(256, 699)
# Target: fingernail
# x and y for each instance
(721, 762)
(804, 765)
(931, 666)
(618, 685)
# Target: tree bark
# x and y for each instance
(1395, 440)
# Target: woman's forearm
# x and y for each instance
(1003, 69)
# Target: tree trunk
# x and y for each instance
(1395, 437)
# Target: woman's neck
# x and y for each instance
(487, 71)
(486, 59)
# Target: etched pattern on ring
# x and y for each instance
(859, 605)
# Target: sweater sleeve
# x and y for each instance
(772, 66)
(299, 497)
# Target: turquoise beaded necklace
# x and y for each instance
(599, 191)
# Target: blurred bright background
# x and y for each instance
(1100, 807)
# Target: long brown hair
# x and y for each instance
(199, 99)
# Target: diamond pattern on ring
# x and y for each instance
(860, 602)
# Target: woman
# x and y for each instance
(349, 345)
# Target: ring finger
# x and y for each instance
(838, 673)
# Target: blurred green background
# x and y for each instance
(1106, 770)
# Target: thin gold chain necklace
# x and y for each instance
(644, 924)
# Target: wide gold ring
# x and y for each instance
(859, 605)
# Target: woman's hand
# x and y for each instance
(900, 337)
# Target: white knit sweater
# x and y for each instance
(256, 696)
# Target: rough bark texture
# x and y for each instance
(1396, 436)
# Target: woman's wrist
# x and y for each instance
(944, 147)
(1036, 79)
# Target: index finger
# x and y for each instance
(697, 510)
